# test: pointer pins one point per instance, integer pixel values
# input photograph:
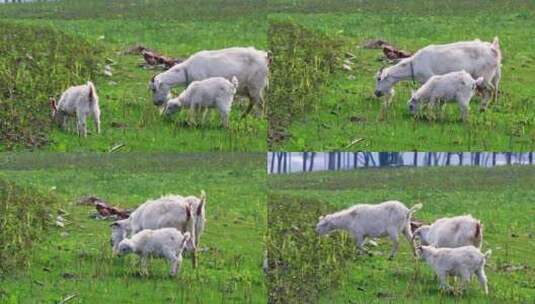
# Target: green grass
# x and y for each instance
(172, 28)
(345, 109)
(77, 259)
(328, 270)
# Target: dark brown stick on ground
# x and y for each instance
(390, 51)
(393, 53)
(103, 207)
(153, 58)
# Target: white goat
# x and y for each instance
(168, 243)
(81, 101)
(459, 262)
(478, 58)
(451, 232)
(459, 86)
(389, 218)
(249, 65)
(171, 211)
(208, 93)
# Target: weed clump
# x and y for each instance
(302, 62)
(24, 216)
(300, 263)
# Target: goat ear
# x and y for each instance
(115, 224)
(321, 217)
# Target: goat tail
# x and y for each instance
(234, 81)
(487, 254)
(414, 209)
(496, 43)
(92, 90)
(495, 47)
(202, 203)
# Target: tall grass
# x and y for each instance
(301, 264)
(302, 61)
(25, 215)
(37, 62)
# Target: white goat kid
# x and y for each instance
(386, 219)
(478, 58)
(451, 232)
(249, 65)
(459, 262)
(458, 86)
(81, 101)
(168, 243)
(215, 92)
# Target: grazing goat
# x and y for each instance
(168, 243)
(459, 262)
(389, 218)
(186, 214)
(249, 65)
(208, 93)
(81, 101)
(459, 86)
(478, 58)
(451, 232)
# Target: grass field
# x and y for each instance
(128, 116)
(307, 268)
(76, 260)
(344, 108)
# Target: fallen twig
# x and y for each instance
(356, 141)
(67, 299)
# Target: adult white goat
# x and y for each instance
(478, 58)
(249, 65)
(389, 218)
(451, 232)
